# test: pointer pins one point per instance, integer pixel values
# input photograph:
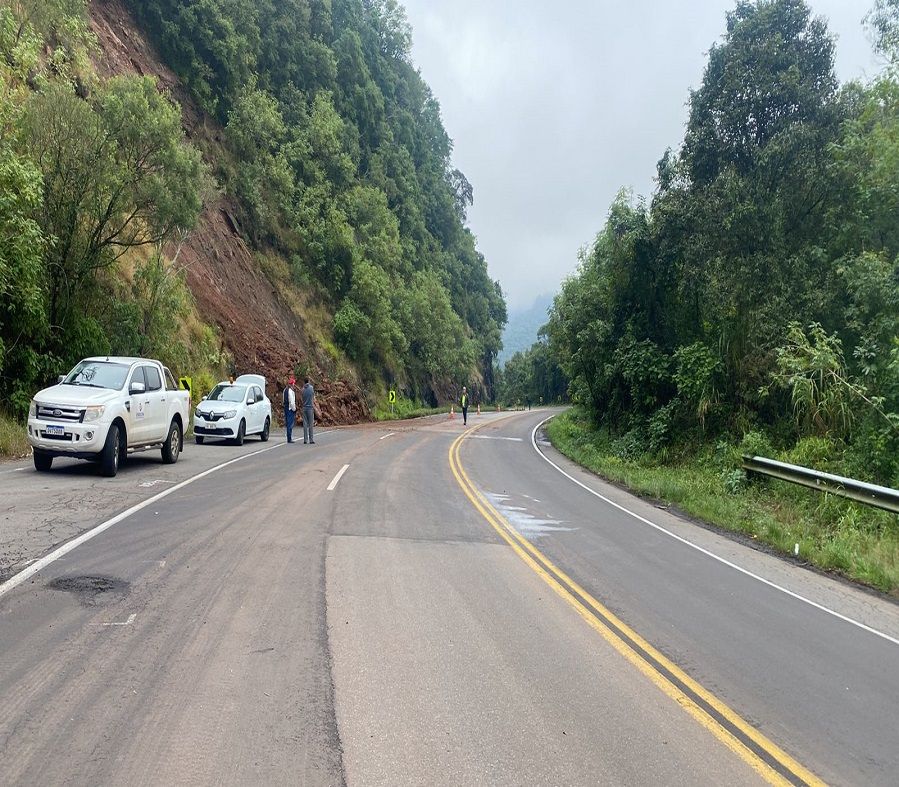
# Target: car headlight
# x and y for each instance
(199, 414)
(229, 414)
(32, 409)
(94, 412)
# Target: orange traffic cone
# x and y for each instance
(452, 411)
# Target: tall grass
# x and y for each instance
(13, 442)
(403, 409)
(834, 534)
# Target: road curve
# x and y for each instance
(343, 614)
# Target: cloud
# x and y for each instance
(554, 108)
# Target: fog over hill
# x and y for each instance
(523, 326)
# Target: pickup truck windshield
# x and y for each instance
(228, 393)
(98, 374)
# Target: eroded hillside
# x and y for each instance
(260, 330)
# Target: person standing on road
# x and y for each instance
(463, 402)
(290, 407)
(308, 411)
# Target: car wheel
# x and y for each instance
(265, 429)
(112, 451)
(199, 439)
(42, 462)
(241, 432)
(171, 448)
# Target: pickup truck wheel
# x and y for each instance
(112, 451)
(265, 429)
(172, 445)
(199, 439)
(42, 462)
(241, 433)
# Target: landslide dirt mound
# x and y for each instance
(259, 329)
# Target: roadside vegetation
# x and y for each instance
(13, 442)
(404, 408)
(705, 482)
(752, 304)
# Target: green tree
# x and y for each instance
(116, 175)
(23, 321)
(264, 181)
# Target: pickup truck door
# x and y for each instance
(138, 403)
(157, 417)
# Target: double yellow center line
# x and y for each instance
(766, 758)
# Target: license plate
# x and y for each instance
(56, 430)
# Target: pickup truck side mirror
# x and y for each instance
(137, 388)
(60, 379)
(204, 399)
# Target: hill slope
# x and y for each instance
(261, 331)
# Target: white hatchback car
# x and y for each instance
(235, 410)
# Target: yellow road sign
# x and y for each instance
(391, 397)
(186, 383)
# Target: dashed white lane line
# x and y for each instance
(708, 553)
(17, 470)
(497, 437)
(387, 435)
(336, 480)
(128, 622)
(17, 579)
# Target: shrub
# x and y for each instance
(816, 453)
(756, 444)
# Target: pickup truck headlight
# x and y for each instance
(229, 414)
(32, 409)
(94, 413)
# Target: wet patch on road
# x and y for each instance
(528, 525)
(91, 590)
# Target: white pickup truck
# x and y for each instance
(106, 407)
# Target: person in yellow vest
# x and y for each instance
(463, 401)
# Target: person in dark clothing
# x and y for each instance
(463, 402)
(308, 411)
(290, 407)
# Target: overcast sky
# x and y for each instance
(553, 107)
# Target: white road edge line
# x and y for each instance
(336, 480)
(706, 552)
(387, 435)
(27, 573)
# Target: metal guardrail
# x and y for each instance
(871, 494)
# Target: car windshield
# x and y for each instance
(98, 374)
(228, 393)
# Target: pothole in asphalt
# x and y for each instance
(90, 588)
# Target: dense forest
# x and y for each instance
(330, 149)
(756, 295)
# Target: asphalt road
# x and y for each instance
(375, 610)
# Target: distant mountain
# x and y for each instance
(522, 327)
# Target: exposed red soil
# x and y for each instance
(260, 330)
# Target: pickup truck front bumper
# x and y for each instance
(55, 438)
